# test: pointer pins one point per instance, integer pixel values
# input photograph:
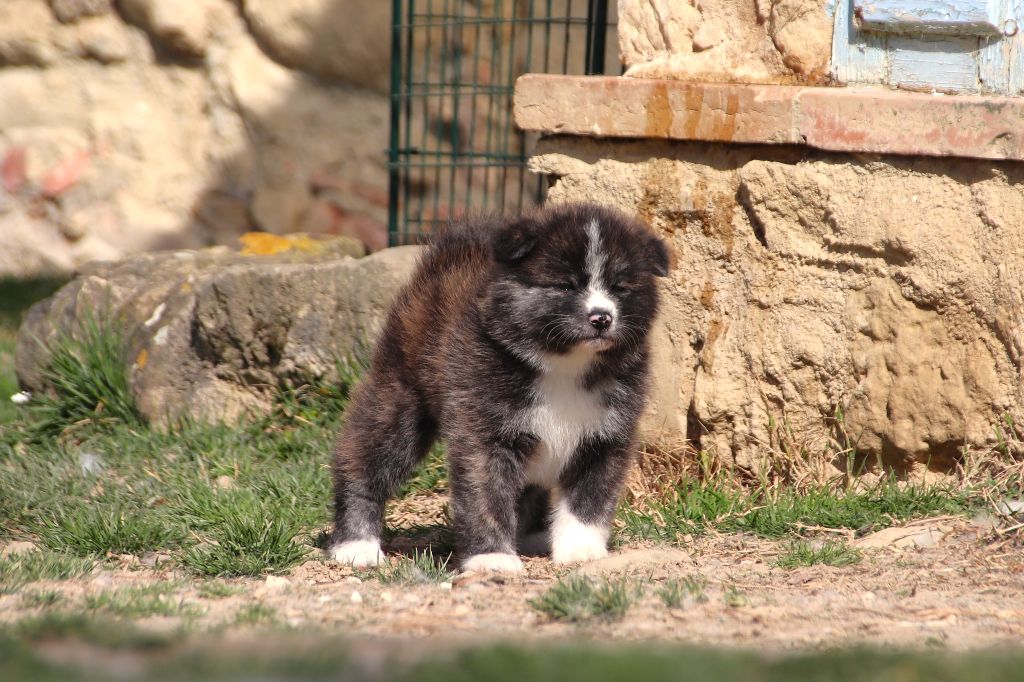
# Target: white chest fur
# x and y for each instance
(563, 414)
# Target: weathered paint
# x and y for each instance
(944, 17)
(954, 46)
(930, 63)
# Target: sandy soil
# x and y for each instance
(963, 590)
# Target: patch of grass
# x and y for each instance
(577, 598)
(41, 599)
(695, 508)
(16, 296)
(734, 597)
(255, 614)
(676, 592)
(421, 567)
(218, 589)
(830, 553)
(157, 599)
(84, 627)
(27, 567)
(248, 545)
(88, 376)
(575, 662)
(96, 531)
(159, 490)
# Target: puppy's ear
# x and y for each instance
(657, 254)
(513, 242)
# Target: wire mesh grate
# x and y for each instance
(454, 148)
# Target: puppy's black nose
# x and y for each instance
(600, 319)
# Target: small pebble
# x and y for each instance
(276, 582)
(447, 587)
(356, 597)
(387, 597)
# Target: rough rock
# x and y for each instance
(168, 124)
(16, 548)
(105, 40)
(918, 535)
(72, 10)
(26, 27)
(823, 301)
(214, 334)
(353, 50)
(646, 561)
(182, 26)
(802, 32)
(731, 41)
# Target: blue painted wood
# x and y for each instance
(936, 17)
(957, 61)
(857, 56)
(938, 64)
(1001, 61)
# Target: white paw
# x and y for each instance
(357, 553)
(573, 540)
(569, 553)
(495, 561)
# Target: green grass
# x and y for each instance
(248, 545)
(678, 592)
(695, 508)
(28, 567)
(502, 663)
(41, 599)
(97, 630)
(829, 553)
(218, 589)
(577, 598)
(734, 597)
(256, 614)
(157, 599)
(88, 375)
(421, 567)
(96, 531)
(15, 298)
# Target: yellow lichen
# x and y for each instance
(266, 244)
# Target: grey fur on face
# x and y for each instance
(521, 343)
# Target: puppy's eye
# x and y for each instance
(620, 288)
(566, 286)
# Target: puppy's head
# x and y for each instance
(575, 276)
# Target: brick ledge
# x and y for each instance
(834, 119)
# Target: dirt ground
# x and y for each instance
(964, 589)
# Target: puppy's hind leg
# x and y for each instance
(486, 481)
(387, 431)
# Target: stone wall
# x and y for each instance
(823, 301)
(133, 125)
(730, 41)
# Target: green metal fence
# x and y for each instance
(454, 148)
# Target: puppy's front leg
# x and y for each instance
(584, 503)
(486, 481)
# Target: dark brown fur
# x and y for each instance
(454, 362)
